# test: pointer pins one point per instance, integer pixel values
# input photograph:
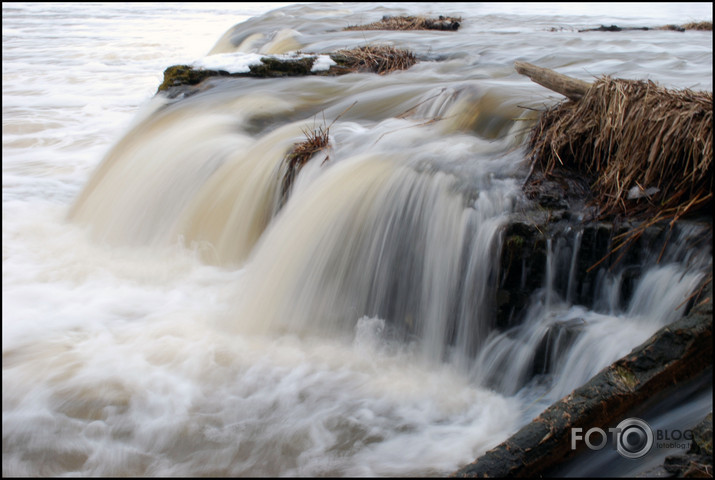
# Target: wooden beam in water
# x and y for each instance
(572, 88)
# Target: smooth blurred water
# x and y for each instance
(163, 316)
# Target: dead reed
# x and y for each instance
(647, 150)
(376, 59)
(315, 141)
(688, 26)
(698, 26)
(411, 23)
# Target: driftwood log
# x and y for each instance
(569, 87)
(674, 354)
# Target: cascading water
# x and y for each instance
(217, 185)
(372, 238)
(172, 315)
(565, 340)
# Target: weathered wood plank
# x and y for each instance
(569, 87)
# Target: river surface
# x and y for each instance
(165, 312)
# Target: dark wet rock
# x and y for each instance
(697, 462)
(612, 28)
(688, 466)
(562, 190)
(581, 262)
(588, 262)
(442, 23)
(671, 27)
(187, 80)
(562, 208)
(673, 355)
(521, 271)
(675, 28)
(603, 28)
(275, 67)
(703, 437)
(270, 67)
(181, 75)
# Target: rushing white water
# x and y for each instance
(164, 314)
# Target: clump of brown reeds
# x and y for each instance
(647, 150)
(698, 26)
(410, 23)
(675, 28)
(316, 140)
(688, 26)
(377, 59)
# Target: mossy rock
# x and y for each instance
(521, 270)
(187, 75)
(275, 67)
(703, 437)
(183, 75)
(380, 60)
(514, 243)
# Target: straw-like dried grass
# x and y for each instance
(410, 23)
(688, 26)
(648, 150)
(698, 26)
(377, 59)
(315, 141)
(671, 27)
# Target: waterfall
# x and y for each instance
(389, 224)
(188, 173)
(371, 238)
(562, 343)
(170, 309)
(406, 240)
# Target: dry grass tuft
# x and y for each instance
(698, 26)
(647, 150)
(376, 59)
(316, 140)
(411, 23)
(675, 28)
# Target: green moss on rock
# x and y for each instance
(626, 377)
(515, 243)
(375, 59)
(275, 67)
(187, 75)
